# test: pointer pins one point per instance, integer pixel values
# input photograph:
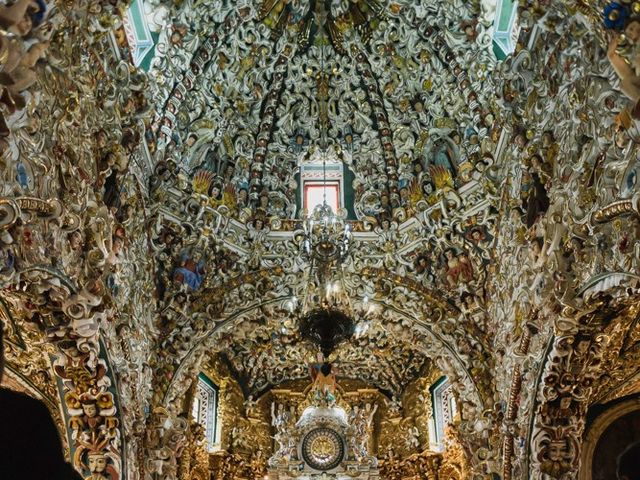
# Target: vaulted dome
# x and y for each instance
(321, 239)
(397, 97)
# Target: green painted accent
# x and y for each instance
(145, 64)
(319, 168)
(504, 19)
(438, 382)
(504, 25)
(139, 21)
(498, 51)
(208, 381)
(216, 389)
(143, 48)
(432, 392)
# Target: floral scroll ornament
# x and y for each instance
(615, 16)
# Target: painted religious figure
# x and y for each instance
(191, 270)
(458, 267)
(442, 161)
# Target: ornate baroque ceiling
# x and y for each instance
(404, 90)
(151, 218)
(405, 93)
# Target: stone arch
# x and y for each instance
(595, 431)
(443, 349)
(14, 379)
(70, 351)
(449, 361)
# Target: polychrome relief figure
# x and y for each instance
(458, 267)
(479, 237)
(71, 260)
(535, 199)
(191, 270)
(215, 195)
(242, 197)
(97, 463)
(444, 157)
(423, 267)
(623, 52)
(257, 235)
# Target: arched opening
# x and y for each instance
(612, 429)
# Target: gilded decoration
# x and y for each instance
(156, 161)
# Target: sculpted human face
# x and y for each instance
(557, 450)
(90, 410)
(117, 245)
(24, 26)
(76, 240)
(97, 463)
(632, 32)
(101, 139)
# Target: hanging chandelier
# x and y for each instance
(325, 316)
(327, 237)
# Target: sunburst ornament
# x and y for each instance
(323, 449)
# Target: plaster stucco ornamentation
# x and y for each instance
(151, 224)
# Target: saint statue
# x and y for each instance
(324, 384)
(444, 157)
(191, 271)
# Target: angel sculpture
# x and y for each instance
(324, 384)
(624, 56)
